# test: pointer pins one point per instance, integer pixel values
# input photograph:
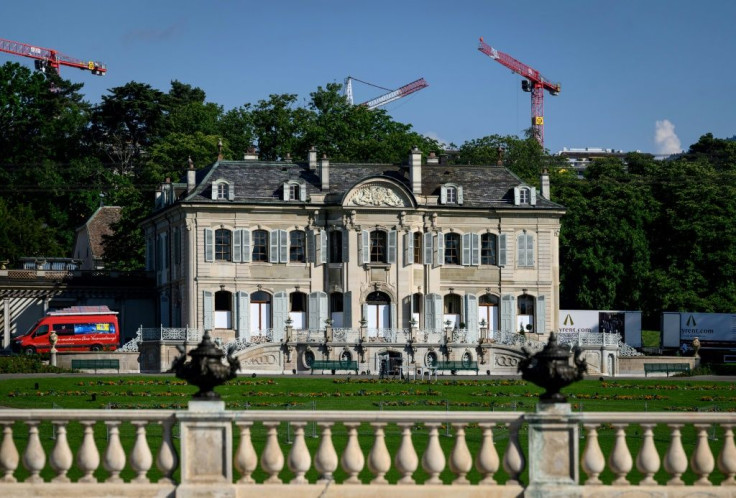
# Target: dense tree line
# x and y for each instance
(638, 234)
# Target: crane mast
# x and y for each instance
(49, 58)
(386, 98)
(534, 82)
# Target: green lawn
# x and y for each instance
(358, 393)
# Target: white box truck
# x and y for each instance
(626, 323)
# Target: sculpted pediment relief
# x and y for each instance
(377, 196)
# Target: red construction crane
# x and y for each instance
(534, 83)
(384, 99)
(49, 58)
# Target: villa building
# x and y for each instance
(246, 247)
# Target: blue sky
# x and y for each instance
(648, 75)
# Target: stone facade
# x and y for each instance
(248, 247)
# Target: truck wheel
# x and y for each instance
(29, 350)
(96, 347)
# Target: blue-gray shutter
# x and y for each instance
(508, 313)
(437, 308)
(540, 315)
(243, 307)
(443, 195)
(237, 245)
(427, 250)
(214, 190)
(440, 249)
(471, 316)
(208, 305)
(466, 250)
(475, 250)
(280, 314)
(459, 195)
(247, 255)
(529, 249)
(311, 242)
(408, 248)
(273, 250)
(164, 302)
(347, 310)
(230, 192)
(521, 250)
(317, 311)
(302, 193)
(283, 247)
(286, 193)
(429, 313)
(209, 247)
(322, 247)
(345, 245)
(391, 253)
(533, 196)
(517, 196)
(502, 250)
(393, 324)
(365, 247)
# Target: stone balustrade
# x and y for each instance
(206, 451)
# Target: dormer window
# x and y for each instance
(222, 190)
(295, 191)
(524, 195)
(451, 194)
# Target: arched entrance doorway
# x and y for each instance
(488, 312)
(389, 363)
(260, 313)
(377, 313)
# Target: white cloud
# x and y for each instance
(665, 138)
(431, 134)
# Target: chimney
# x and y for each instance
(544, 182)
(433, 159)
(415, 170)
(191, 176)
(324, 172)
(219, 150)
(312, 156)
(251, 154)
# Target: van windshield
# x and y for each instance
(42, 330)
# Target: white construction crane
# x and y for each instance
(384, 99)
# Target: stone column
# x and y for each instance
(553, 452)
(206, 450)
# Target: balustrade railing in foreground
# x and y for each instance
(234, 453)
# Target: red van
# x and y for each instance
(79, 328)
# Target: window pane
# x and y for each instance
(222, 190)
(488, 249)
(296, 247)
(222, 245)
(293, 192)
(335, 250)
(378, 247)
(418, 247)
(452, 249)
(260, 245)
(451, 195)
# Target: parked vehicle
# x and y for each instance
(79, 328)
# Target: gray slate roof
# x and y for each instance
(262, 182)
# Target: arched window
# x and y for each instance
(260, 312)
(488, 249)
(337, 302)
(452, 249)
(223, 245)
(223, 309)
(418, 238)
(260, 245)
(488, 311)
(378, 312)
(378, 246)
(453, 304)
(525, 313)
(297, 246)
